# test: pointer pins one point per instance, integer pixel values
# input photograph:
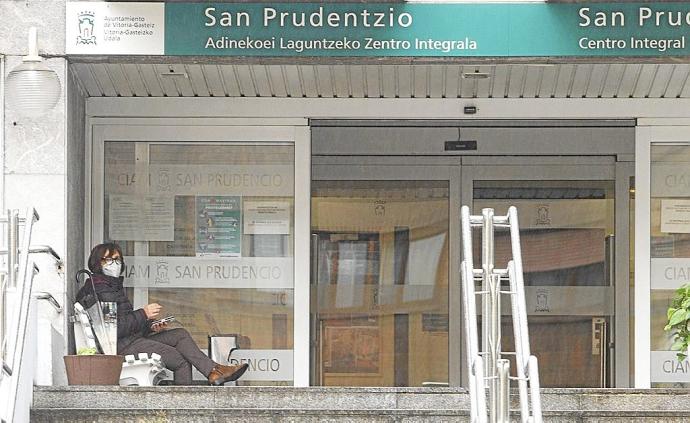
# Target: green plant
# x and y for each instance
(86, 351)
(678, 315)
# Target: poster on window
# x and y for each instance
(267, 217)
(141, 217)
(218, 226)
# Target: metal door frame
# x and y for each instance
(328, 168)
(669, 131)
(575, 168)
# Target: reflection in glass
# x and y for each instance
(565, 227)
(230, 205)
(380, 291)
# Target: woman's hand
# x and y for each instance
(152, 311)
(159, 327)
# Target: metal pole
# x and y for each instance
(503, 415)
(489, 308)
(12, 247)
(535, 396)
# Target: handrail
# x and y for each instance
(23, 284)
(35, 216)
(496, 377)
(38, 250)
(12, 245)
(16, 378)
(43, 295)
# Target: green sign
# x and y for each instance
(218, 227)
(420, 30)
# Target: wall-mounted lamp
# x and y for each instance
(32, 88)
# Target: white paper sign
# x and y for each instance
(141, 218)
(203, 272)
(669, 273)
(675, 216)
(264, 365)
(267, 217)
(665, 367)
(115, 28)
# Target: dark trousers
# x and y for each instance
(178, 352)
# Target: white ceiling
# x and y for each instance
(623, 80)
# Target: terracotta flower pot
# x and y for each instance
(98, 369)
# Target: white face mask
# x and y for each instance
(113, 269)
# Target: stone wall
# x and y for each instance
(43, 167)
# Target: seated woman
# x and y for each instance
(135, 334)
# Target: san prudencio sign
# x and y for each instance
(378, 29)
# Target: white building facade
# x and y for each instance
(268, 177)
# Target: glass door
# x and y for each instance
(382, 253)
(566, 209)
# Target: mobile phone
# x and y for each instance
(163, 320)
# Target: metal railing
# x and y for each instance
(488, 369)
(47, 296)
(17, 370)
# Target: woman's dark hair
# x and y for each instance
(98, 252)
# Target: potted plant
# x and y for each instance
(678, 315)
(90, 368)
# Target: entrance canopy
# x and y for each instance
(381, 50)
(217, 79)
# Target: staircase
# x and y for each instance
(288, 404)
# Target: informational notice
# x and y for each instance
(218, 227)
(115, 28)
(141, 217)
(267, 217)
(208, 272)
(675, 216)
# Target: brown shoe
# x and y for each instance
(222, 374)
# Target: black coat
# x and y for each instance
(131, 324)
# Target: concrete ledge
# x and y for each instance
(336, 398)
(273, 415)
(282, 404)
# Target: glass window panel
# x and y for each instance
(564, 231)
(380, 295)
(670, 255)
(208, 232)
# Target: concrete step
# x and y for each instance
(287, 404)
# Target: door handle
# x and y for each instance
(315, 324)
(600, 347)
(610, 260)
(314, 259)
